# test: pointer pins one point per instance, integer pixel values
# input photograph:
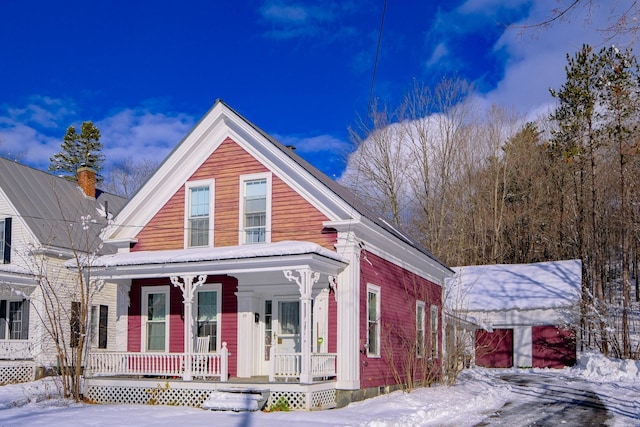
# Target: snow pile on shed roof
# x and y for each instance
(286, 248)
(497, 287)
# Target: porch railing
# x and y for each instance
(289, 365)
(16, 349)
(184, 365)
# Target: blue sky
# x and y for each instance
(145, 71)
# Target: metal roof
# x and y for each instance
(53, 208)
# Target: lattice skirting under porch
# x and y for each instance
(20, 373)
(151, 392)
(322, 399)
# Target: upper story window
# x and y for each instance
(198, 210)
(255, 208)
(5, 241)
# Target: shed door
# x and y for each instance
(553, 347)
(494, 349)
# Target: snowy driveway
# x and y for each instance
(548, 399)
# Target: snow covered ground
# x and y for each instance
(478, 394)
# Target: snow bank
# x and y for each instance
(598, 368)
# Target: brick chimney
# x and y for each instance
(87, 181)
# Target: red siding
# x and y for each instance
(292, 217)
(400, 289)
(176, 315)
(553, 347)
(494, 349)
(332, 346)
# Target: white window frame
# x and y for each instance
(433, 331)
(243, 180)
(211, 287)
(146, 290)
(373, 289)
(187, 208)
(420, 329)
(2, 240)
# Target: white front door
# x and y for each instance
(281, 329)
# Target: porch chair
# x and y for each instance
(202, 345)
(201, 361)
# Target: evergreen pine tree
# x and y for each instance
(78, 150)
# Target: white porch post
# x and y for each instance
(122, 315)
(349, 311)
(305, 280)
(246, 335)
(188, 288)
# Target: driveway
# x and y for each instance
(548, 399)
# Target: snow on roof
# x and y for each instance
(285, 248)
(499, 287)
(12, 268)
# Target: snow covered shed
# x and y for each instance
(526, 312)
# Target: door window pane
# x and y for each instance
(289, 317)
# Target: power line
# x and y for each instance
(375, 63)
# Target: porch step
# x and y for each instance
(237, 399)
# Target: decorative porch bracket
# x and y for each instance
(188, 288)
(305, 279)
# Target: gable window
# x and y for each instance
(373, 320)
(420, 324)
(208, 314)
(5, 240)
(434, 331)
(155, 318)
(255, 211)
(99, 317)
(198, 209)
(14, 320)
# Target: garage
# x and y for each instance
(553, 347)
(494, 349)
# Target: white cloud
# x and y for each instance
(142, 133)
(33, 133)
(292, 19)
(537, 57)
(314, 144)
(439, 53)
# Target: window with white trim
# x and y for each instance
(198, 213)
(420, 326)
(373, 320)
(99, 318)
(155, 318)
(434, 331)
(208, 314)
(14, 319)
(255, 208)
(5, 241)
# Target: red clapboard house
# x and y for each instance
(242, 267)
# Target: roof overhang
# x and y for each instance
(16, 282)
(234, 260)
